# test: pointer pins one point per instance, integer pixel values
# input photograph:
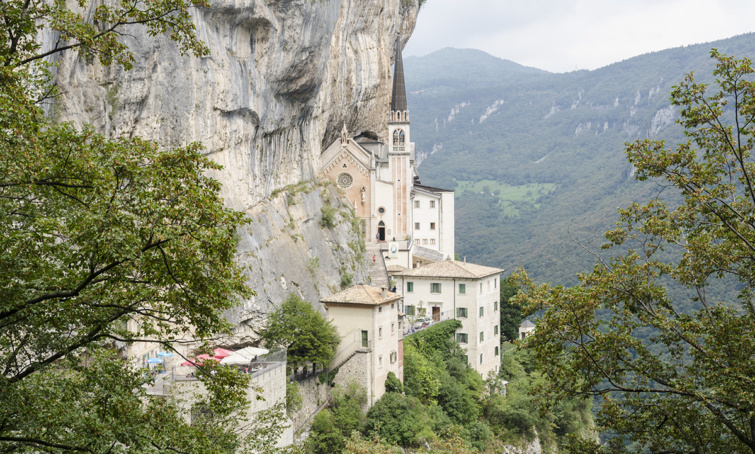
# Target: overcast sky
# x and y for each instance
(565, 35)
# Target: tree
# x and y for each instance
(676, 374)
(511, 315)
(95, 233)
(303, 331)
(393, 384)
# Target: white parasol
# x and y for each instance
(243, 357)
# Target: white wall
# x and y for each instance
(450, 299)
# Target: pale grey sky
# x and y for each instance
(565, 35)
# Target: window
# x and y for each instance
(482, 336)
(461, 338)
(495, 283)
(364, 339)
(394, 357)
(432, 226)
(480, 359)
(381, 210)
(482, 311)
(496, 351)
(363, 226)
(435, 287)
(380, 309)
(495, 306)
(398, 136)
(409, 309)
(416, 226)
(380, 332)
(462, 289)
(461, 312)
(416, 204)
(393, 329)
(480, 288)
(432, 240)
(432, 204)
(410, 286)
(380, 361)
(393, 306)
(424, 241)
(495, 330)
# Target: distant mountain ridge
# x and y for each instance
(537, 158)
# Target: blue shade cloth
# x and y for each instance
(155, 361)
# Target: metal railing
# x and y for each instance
(347, 350)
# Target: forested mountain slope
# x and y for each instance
(537, 159)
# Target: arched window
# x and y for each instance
(398, 138)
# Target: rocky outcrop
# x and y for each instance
(281, 80)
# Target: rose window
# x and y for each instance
(345, 181)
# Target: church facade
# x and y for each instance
(379, 178)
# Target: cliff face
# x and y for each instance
(282, 79)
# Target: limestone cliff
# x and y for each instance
(282, 79)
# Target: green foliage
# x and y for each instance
(293, 398)
(420, 376)
(346, 279)
(324, 437)
(398, 420)
(347, 406)
(393, 384)
(332, 427)
(682, 367)
(305, 333)
(95, 233)
(328, 216)
(511, 315)
(434, 337)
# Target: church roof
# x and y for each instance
(428, 254)
(453, 269)
(398, 100)
(431, 188)
(362, 294)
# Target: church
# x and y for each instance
(379, 178)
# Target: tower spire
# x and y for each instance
(398, 100)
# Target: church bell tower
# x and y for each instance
(400, 152)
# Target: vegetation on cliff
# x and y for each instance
(447, 405)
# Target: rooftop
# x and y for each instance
(527, 324)
(397, 269)
(362, 294)
(452, 269)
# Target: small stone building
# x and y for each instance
(369, 322)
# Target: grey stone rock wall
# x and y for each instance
(281, 80)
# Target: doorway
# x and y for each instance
(436, 313)
(381, 231)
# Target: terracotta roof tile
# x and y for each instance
(362, 294)
(452, 269)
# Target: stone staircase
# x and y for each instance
(378, 271)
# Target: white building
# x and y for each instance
(369, 322)
(527, 328)
(470, 293)
(379, 178)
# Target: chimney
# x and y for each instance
(385, 291)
